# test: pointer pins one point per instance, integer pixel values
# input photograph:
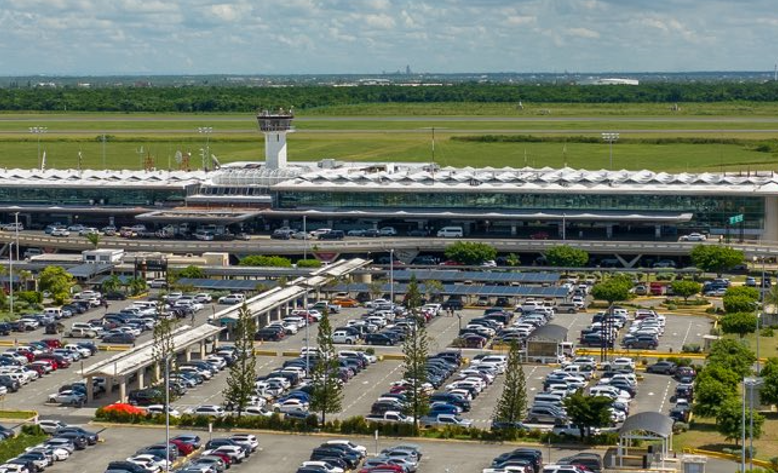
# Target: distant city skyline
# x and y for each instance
(92, 37)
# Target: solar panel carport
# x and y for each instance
(462, 290)
(494, 277)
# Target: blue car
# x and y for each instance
(443, 408)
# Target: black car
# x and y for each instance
(79, 440)
(532, 455)
(280, 236)
(89, 346)
(146, 397)
(26, 462)
(126, 466)
(498, 425)
(591, 461)
(5, 328)
(270, 334)
(332, 235)
(329, 451)
(11, 384)
(115, 296)
(91, 437)
(379, 339)
(123, 338)
(453, 304)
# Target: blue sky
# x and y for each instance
(369, 36)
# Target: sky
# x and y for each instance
(106, 37)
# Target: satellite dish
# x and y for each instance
(179, 157)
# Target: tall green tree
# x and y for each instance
(243, 371)
(415, 353)
(56, 281)
(137, 286)
(513, 401)
(768, 394)
(112, 283)
(190, 272)
(470, 253)
(433, 288)
(163, 348)
(729, 420)
(715, 258)
(685, 289)
(740, 323)
(566, 256)
(326, 395)
(733, 355)
(588, 412)
(94, 239)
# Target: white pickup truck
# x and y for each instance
(390, 417)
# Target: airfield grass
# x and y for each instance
(63, 154)
(702, 434)
(401, 132)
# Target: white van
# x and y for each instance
(451, 232)
(55, 312)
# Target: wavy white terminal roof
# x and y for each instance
(409, 177)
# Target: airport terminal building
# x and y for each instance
(412, 197)
(506, 201)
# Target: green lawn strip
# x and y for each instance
(395, 147)
(702, 434)
(767, 345)
(15, 446)
(18, 415)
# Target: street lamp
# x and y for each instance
(38, 131)
(206, 130)
(610, 137)
(391, 275)
(748, 384)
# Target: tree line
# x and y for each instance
(194, 99)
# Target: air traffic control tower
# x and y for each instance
(275, 126)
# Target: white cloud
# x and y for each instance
(583, 33)
(299, 36)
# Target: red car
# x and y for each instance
(226, 458)
(52, 343)
(27, 353)
(184, 448)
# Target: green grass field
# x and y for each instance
(402, 132)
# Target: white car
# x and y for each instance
(360, 448)
(235, 452)
(246, 439)
(203, 298)
(60, 232)
(693, 237)
(257, 411)
(217, 361)
(160, 409)
(290, 405)
(323, 466)
(149, 462)
(50, 425)
(209, 410)
(232, 299)
(57, 454)
(387, 231)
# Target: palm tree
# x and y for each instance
(112, 284)
(94, 239)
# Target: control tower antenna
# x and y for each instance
(275, 125)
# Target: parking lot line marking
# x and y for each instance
(685, 337)
(664, 398)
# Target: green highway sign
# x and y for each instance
(736, 219)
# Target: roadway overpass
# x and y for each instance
(264, 245)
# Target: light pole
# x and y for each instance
(167, 414)
(11, 278)
(564, 226)
(391, 276)
(752, 384)
(610, 137)
(38, 131)
(206, 130)
(305, 238)
(16, 231)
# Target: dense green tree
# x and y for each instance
(710, 394)
(267, 261)
(137, 286)
(732, 354)
(112, 283)
(715, 258)
(685, 289)
(470, 253)
(740, 323)
(513, 401)
(588, 412)
(433, 288)
(56, 281)
(566, 256)
(612, 291)
(327, 395)
(415, 353)
(190, 272)
(743, 291)
(729, 421)
(243, 371)
(768, 394)
(737, 303)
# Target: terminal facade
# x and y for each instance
(415, 198)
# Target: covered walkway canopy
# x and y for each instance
(121, 366)
(650, 426)
(89, 270)
(549, 333)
